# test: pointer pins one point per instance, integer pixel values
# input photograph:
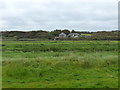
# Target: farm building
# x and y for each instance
(62, 35)
(70, 35)
(73, 35)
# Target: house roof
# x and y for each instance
(62, 33)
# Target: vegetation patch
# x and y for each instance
(60, 64)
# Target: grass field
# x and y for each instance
(60, 64)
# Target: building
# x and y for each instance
(70, 35)
(62, 35)
(73, 35)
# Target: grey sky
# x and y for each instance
(83, 15)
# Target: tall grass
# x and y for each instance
(60, 46)
(79, 64)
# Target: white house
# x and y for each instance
(73, 35)
(70, 35)
(62, 35)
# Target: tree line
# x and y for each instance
(50, 35)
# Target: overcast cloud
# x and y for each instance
(83, 15)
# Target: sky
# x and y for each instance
(79, 15)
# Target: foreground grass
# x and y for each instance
(73, 68)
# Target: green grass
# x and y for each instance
(60, 64)
(86, 34)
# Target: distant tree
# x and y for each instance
(66, 31)
(73, 31)
(56, 32)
